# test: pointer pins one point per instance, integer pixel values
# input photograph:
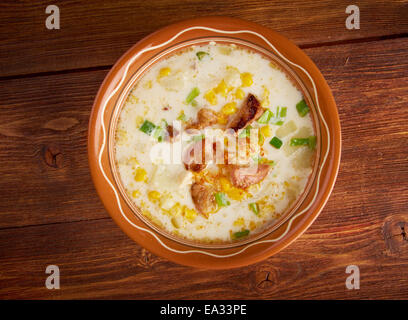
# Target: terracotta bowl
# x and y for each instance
(114, 91)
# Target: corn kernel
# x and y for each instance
(164, 72)
(139, 121)
(266, 131)
(190, 214)
(229, 108)
(175, 222)
(221, 88)
(265, 100)
(225, 184)
(246, 79)
(211, 97)
(153, 195)
(140, 174)
(239, 222)
(222, 119)
(135, 193)
(239, 94)
(148, 85)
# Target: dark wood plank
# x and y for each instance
(96, 33)
(364, 222)
(97, 260)
(43, 149)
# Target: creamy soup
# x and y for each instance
(214, 143)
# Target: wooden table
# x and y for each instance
(50, 213)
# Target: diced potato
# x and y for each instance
(232, 77)
(288, 128)
(303, 159)
(225, 50)
(166, 202)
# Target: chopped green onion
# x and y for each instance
(147, 127)
(276, 142)
(201, 54)
(266, 116)
(280, 116)
(259, 159)
(240, 234)
(192, 95)
(159, 133)
(194, 103)
(254, 208)
(299, 142)
(182, 117)
(221, 199)
(310, 142)
(302, 108)
(245, 132)
(198, 138)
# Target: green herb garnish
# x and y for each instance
(182, 117)
(245, 132)
(192, 95)
(302, 108)
(198, 138)
(276, 142)
(240, 234)
(266, 116)
(280, 116)
(221, 199)
(201, 54)
(159, 133)
(147, 127)
(253, 206)
(310, 142)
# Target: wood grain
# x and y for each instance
(97, 33)
(50, 214)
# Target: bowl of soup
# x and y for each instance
(214, 142)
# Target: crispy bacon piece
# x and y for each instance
(205, 118)
(245, 176)
(203, 196)
(250, 111)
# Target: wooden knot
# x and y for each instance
(53, 156)
(395, 231)
(146, 259)
(265, 278)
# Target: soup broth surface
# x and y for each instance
(216, 97)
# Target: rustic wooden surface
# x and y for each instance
(49, 210)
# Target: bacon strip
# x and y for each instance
(250, 111)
